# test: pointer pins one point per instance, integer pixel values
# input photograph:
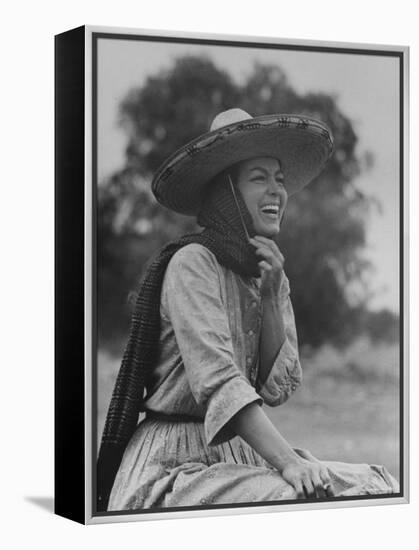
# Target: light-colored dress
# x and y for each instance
(208, 371)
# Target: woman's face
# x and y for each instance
(261, 183)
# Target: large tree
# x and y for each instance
(324, 233)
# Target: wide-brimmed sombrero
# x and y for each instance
(302, 145)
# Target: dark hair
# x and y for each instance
(232, 171)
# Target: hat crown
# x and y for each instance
(231, 116)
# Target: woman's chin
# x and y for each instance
(268, 231)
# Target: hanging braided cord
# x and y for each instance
(225, 235)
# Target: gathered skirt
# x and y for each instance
(169, 464)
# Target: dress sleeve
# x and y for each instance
(286, 373)
(198, 315)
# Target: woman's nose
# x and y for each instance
(273, 187)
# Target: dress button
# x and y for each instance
(250, 332)
(249, 360)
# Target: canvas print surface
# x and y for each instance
(249, 331)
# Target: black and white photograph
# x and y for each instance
(248, 286)
(210, 255)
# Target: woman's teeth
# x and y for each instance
(272, 209)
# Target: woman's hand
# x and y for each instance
(309, 479)
(271, 265)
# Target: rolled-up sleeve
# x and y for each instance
(199, 318)
(286, 373)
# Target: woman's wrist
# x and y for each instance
(269, 294)
(272, 332)
(284, 458)
(272, 291)
(252, 425)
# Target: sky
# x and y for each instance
(366, 88)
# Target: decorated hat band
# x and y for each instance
(302, 145)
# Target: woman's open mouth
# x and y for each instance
(271, 211)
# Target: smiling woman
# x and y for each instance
(213, 335)
(261, 184)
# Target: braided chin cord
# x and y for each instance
(225, 236)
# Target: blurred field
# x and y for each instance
(347, 408)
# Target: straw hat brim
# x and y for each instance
(302, 145)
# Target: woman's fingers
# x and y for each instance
(327, 482)
(330, 491)
(318, 485)
(269, 257)
(275, 259)
(310, 480)
(270, 244)
(298, 486)
(324, 474)
(265, 266)
(265, 252)
(308, 487)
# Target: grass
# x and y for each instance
(347, 408)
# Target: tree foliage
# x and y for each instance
(324, 232)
